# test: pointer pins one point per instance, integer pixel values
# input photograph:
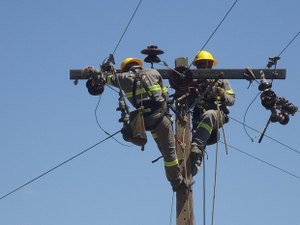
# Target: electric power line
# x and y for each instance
(218, 26)
(100, 126)
(57, 166)
(126, 28)
(245, 115)
(263, 161)
(273, 139)
(289, 44)
(91, 147)
(97, 105)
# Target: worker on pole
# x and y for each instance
(145, 91)
(210, 110)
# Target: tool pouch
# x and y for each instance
(134, 132)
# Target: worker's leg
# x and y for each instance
(164, 137)
(207, 124)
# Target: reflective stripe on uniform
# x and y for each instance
(205, 126)
(164, 90)
(109, 79)
(173, 163)
(155, 87)
(229, 91)
(139, 91)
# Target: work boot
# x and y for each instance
(196, 158)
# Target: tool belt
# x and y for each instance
(150, 107)
(134, 131)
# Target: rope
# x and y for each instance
(204, 192)
(215, 184)
(57, 166)
(172, 206)
(216, 161)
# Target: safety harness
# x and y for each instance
(135, 130)
(206, 104)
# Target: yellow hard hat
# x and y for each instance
(130, 60)
(204, 55)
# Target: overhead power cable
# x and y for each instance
(273, 139)
(126, 28)
(57, 166)
(263, 161)
(100, 126)
(97, 105)
(245, 115)
(289, 43)
(218, 26)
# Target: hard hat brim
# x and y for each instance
(132, 60)
(215, 62)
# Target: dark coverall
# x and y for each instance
(154, 103)
(205, 121)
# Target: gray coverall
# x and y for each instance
(154, 103)
(205, 123)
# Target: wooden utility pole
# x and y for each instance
(184, 197)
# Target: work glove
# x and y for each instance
(89, 70)
(219, 91)
(107, 67)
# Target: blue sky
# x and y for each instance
(45, 119)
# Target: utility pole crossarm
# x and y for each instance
(77, 74)
(228, 73)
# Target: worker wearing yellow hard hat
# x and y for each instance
(145, 91)
(204, 57)
(127, 63)
(211, 112)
